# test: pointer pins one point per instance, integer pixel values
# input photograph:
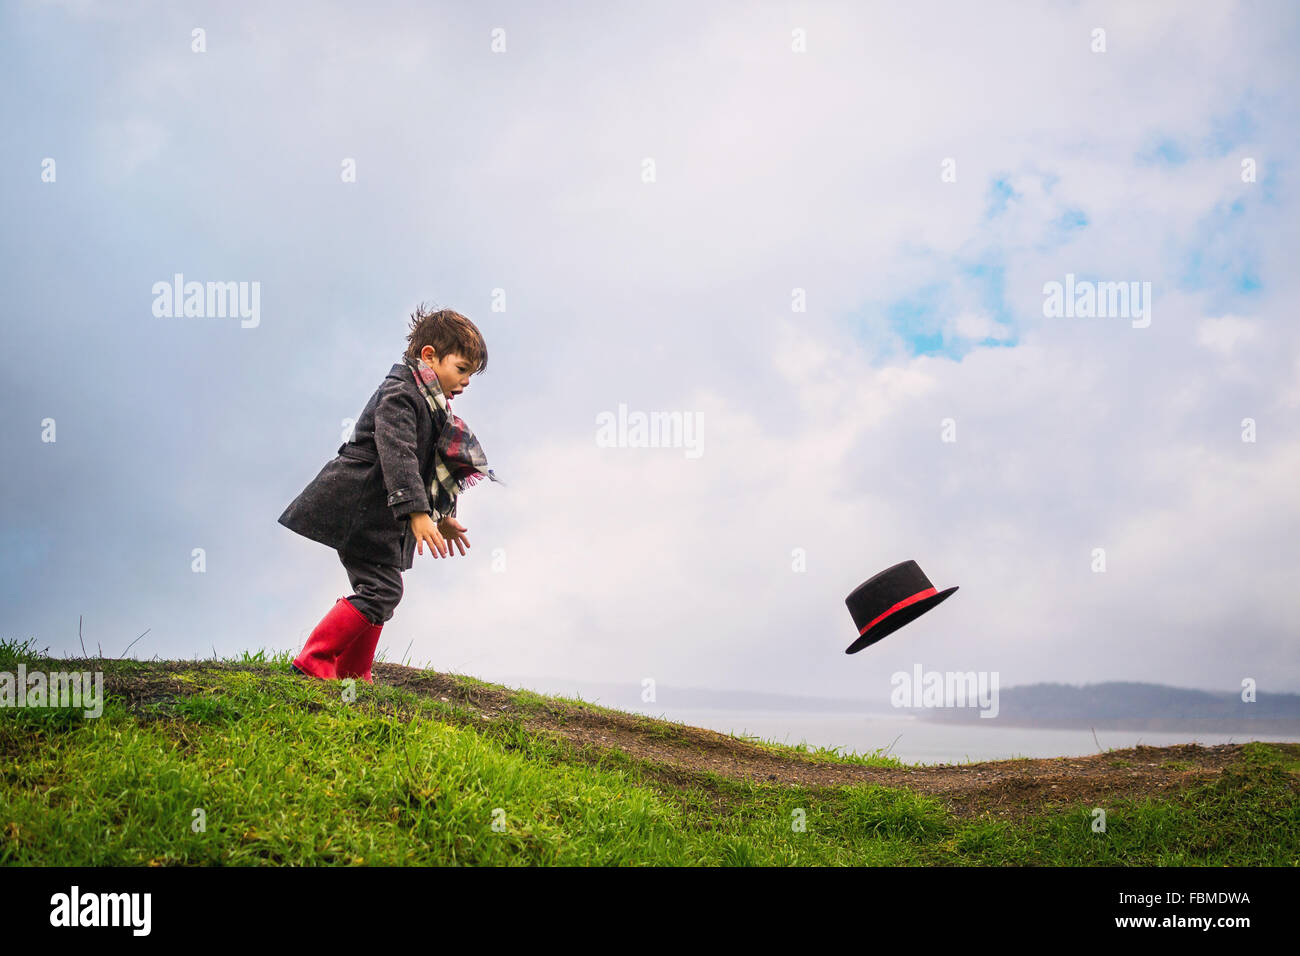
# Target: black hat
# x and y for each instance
(884, 603)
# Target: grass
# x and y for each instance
(263, 767)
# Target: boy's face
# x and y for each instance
(453, 370)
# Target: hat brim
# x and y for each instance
(896, 620)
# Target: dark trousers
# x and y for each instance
(377, 588)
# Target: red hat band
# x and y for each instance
(918, 596)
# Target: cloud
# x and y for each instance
(1224, 333)
(823, 435)
(973, 325)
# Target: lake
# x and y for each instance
(916, 741)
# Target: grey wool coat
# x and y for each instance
(359, 502)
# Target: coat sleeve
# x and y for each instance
(395, 419)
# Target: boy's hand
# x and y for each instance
(424, 529)
(454, 532)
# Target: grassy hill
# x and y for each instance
(431, 768)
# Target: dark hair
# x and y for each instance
(447, 331)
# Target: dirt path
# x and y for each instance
(680, 756)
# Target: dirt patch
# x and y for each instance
(156, 682)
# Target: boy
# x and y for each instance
(393, 488)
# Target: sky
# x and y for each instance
(823, 234)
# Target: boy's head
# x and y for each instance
(449, 343)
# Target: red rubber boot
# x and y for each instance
(357, 657)
(343, 625)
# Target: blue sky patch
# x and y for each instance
(1165, 152)
(1000, 193)
(921, 318)
(1230, 131)
(1218, 257)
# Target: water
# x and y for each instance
(917, 741)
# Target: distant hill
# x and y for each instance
(1111, 705)
(1131, 705)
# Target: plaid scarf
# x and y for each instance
(459, 458)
